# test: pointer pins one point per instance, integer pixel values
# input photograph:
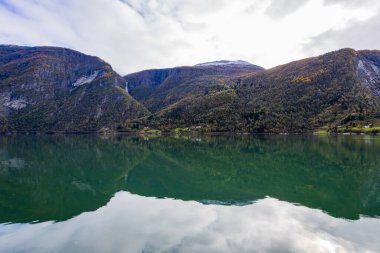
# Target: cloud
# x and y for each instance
(108, 29)
(357, 34)
(278, 9)
(139, 34)
(350, 3)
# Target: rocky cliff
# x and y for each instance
(57, 89)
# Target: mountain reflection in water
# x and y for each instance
(56, 178)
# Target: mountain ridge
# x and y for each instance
(157, 88)
(323, 91)
(52, 89)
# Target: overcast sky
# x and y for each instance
(133, 35)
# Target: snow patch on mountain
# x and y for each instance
(226, 63)
(15, 104)
(86, 79)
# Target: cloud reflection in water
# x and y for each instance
(132, 223)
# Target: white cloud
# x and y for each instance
(356, 34)
(280, 8)
(351, 3)
(137, 34)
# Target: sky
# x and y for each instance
(133, 35)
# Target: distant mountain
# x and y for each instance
(57, 89)
(226, 63)
(159, 88)
(334, 89)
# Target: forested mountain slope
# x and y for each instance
(48, 89)
(57, 89)
(159, 88)
(334, 89)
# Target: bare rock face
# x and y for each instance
(368, 70)
(57, 89)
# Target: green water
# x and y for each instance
(60, 181)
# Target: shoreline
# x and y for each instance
(187, 133)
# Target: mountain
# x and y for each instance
(49, 89)
(57, 89)
(158, 88)
(333, 90)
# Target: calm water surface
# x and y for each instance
(208, 194)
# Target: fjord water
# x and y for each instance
(203, 194)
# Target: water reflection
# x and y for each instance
(205, 194)
(56, 178)
(336, 174)
(131, 223)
